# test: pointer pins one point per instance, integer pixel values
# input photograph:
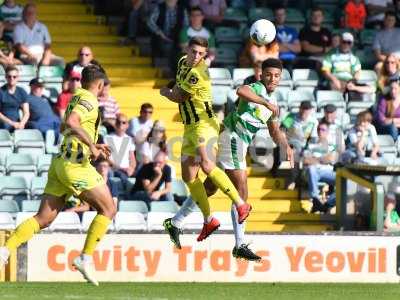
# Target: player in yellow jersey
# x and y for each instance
(192, 91)
(71, 173)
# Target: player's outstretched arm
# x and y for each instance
(279, 138)
(175, 94)
(245, 93)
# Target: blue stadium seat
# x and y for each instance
(220, 76)
(29, 141)
(51, 73)
(133, 206)
(220, 94)
(37, 187)
(14, 188)
(30, 205)
(43, 164)
(21, 164)
(163, 206)
(9, 206)
(130, 221)
(6, 221)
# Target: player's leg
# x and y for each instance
(100, 198)
(48, 210)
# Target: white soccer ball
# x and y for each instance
(262, 32)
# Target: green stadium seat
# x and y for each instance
(237, 47)
(29, 141)
(9, 206)
(330, 97)
(220, 94)
(235, 14)
(260, 13)
(21, 164)
(30, 205)
(87, 219)
(179, 187)
(43, 164)
(367, 58)
(66, 221)
(6, 142)
(26, 72)
(51, 143)
(227, 35)
(37, 187)
(220, 76)
(155, 220)
(130, 221)
(240, 74)
(286, 79)
(296, 97)
(368, 76)
(367, 37)
(305, 77)
(225, 57)
(294, 15)
(163, 206)
(51, 73)
(6, 221)
(133, 206)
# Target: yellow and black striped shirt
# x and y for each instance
(86, 105)
(195, 81)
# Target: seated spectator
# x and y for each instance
(41, 115)
(133, 26)
(319, 158)
(84, 59)
(389, 71)
(32, 40)
(315, 42)
(376, 11)
(7, 57)
(12, 99)
(150, 178)
(196, 28)
(335, 40)
(12, 15)
(391, 217)
(109, 107)
(122, 158)
(355, 14)
(164, 22)
(362, 141)
(213, 11)
(73, 83)
(287, 38)
(387, 119)
(253, 55)
(342, 68)
(140, 126)
(387, 40)
(335, 131)
(156, 141)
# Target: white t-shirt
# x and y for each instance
(120, 148)
(135, 126)
(149, 150)
(382, 3)
(370, 137)
(35, 39)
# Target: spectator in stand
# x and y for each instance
(150, 178)
(376, 10)
(164, 22)
(140, 127)
(335, 40)
(73, 83)
(315, 41)
(109, 107)
(387, 119)
(196, 28)
(32, 40)
(41, 115)
(387, 40)
(319, 158)
(253, 55)
(12, 15)
(156, 141)
(12, 99)
(7, 55)
(335, 131)
(397, 11)
(84, 59)
(391, 217)
(342, 69)
(135, 20)
(213, 11)
(389, 71)
(287, 38)
(362, 141)
(122, 158)
(355, 14)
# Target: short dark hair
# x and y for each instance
(198, 41)
(195, 8)
(11, 68)
(92, 73)
(107, 81)
(146, 106)
(279, 8)
(101, 160)
(272, 63)
(317, 8)
(390, 13)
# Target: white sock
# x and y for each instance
(238, 229)
(87, 258)
(186, 209)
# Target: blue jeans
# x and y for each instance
(316, 175)
(44, 124)
(390, 129)
(144, 196)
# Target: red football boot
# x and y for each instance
(208, 228)
(243, 212)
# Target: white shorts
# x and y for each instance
(232, 151)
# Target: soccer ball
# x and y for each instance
(262, 32)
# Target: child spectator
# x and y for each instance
(355, 15)
(392, 219)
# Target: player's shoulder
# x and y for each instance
(86, 99)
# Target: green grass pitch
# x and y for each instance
(182, 291)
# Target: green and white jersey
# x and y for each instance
(342, 65)
(249, 118)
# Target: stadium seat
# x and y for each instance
(367, 58)
(29, 141)
(296, 97)
(305, 77)
(6, 142)
(22, 216)
(43, 164)
(26, 72)
(133, 206)
(294, 16)
(330, 97)
(9, 206)
(14, 188)
(225, 219)
(220, 76)
(227, 35)
(21, 164)
(163, 206)
(220, 94)
(367, 36)
(194, 221)
(6, 221)
(130, 182)
(368, 76)
(51, 143)
(286, 80)
(155, 220)
(240, 74)
(387, 147)
(237, 47)
(66, 221)
(87, 219)
(225, 57)
(37, 187)
(257, 13)
(179, 187)
(235, 14)
(30, 205)
(130, 221)
(51, 73)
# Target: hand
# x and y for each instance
(158, 171)
(164, 91)
(374, 155)
(18, 125)
(96, 153)
(155, 195)
(350, 86)
(389, 207)
(104, 149)
(274, 108)
(336, 84)
(290, 156)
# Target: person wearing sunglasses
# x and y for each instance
(84, 58)
(342, 69)
(319, 158)
(12, 99)
(139, 127)
(72, 84)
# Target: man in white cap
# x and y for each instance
(342, 68)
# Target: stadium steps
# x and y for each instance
(84, 39)
(298, 228)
